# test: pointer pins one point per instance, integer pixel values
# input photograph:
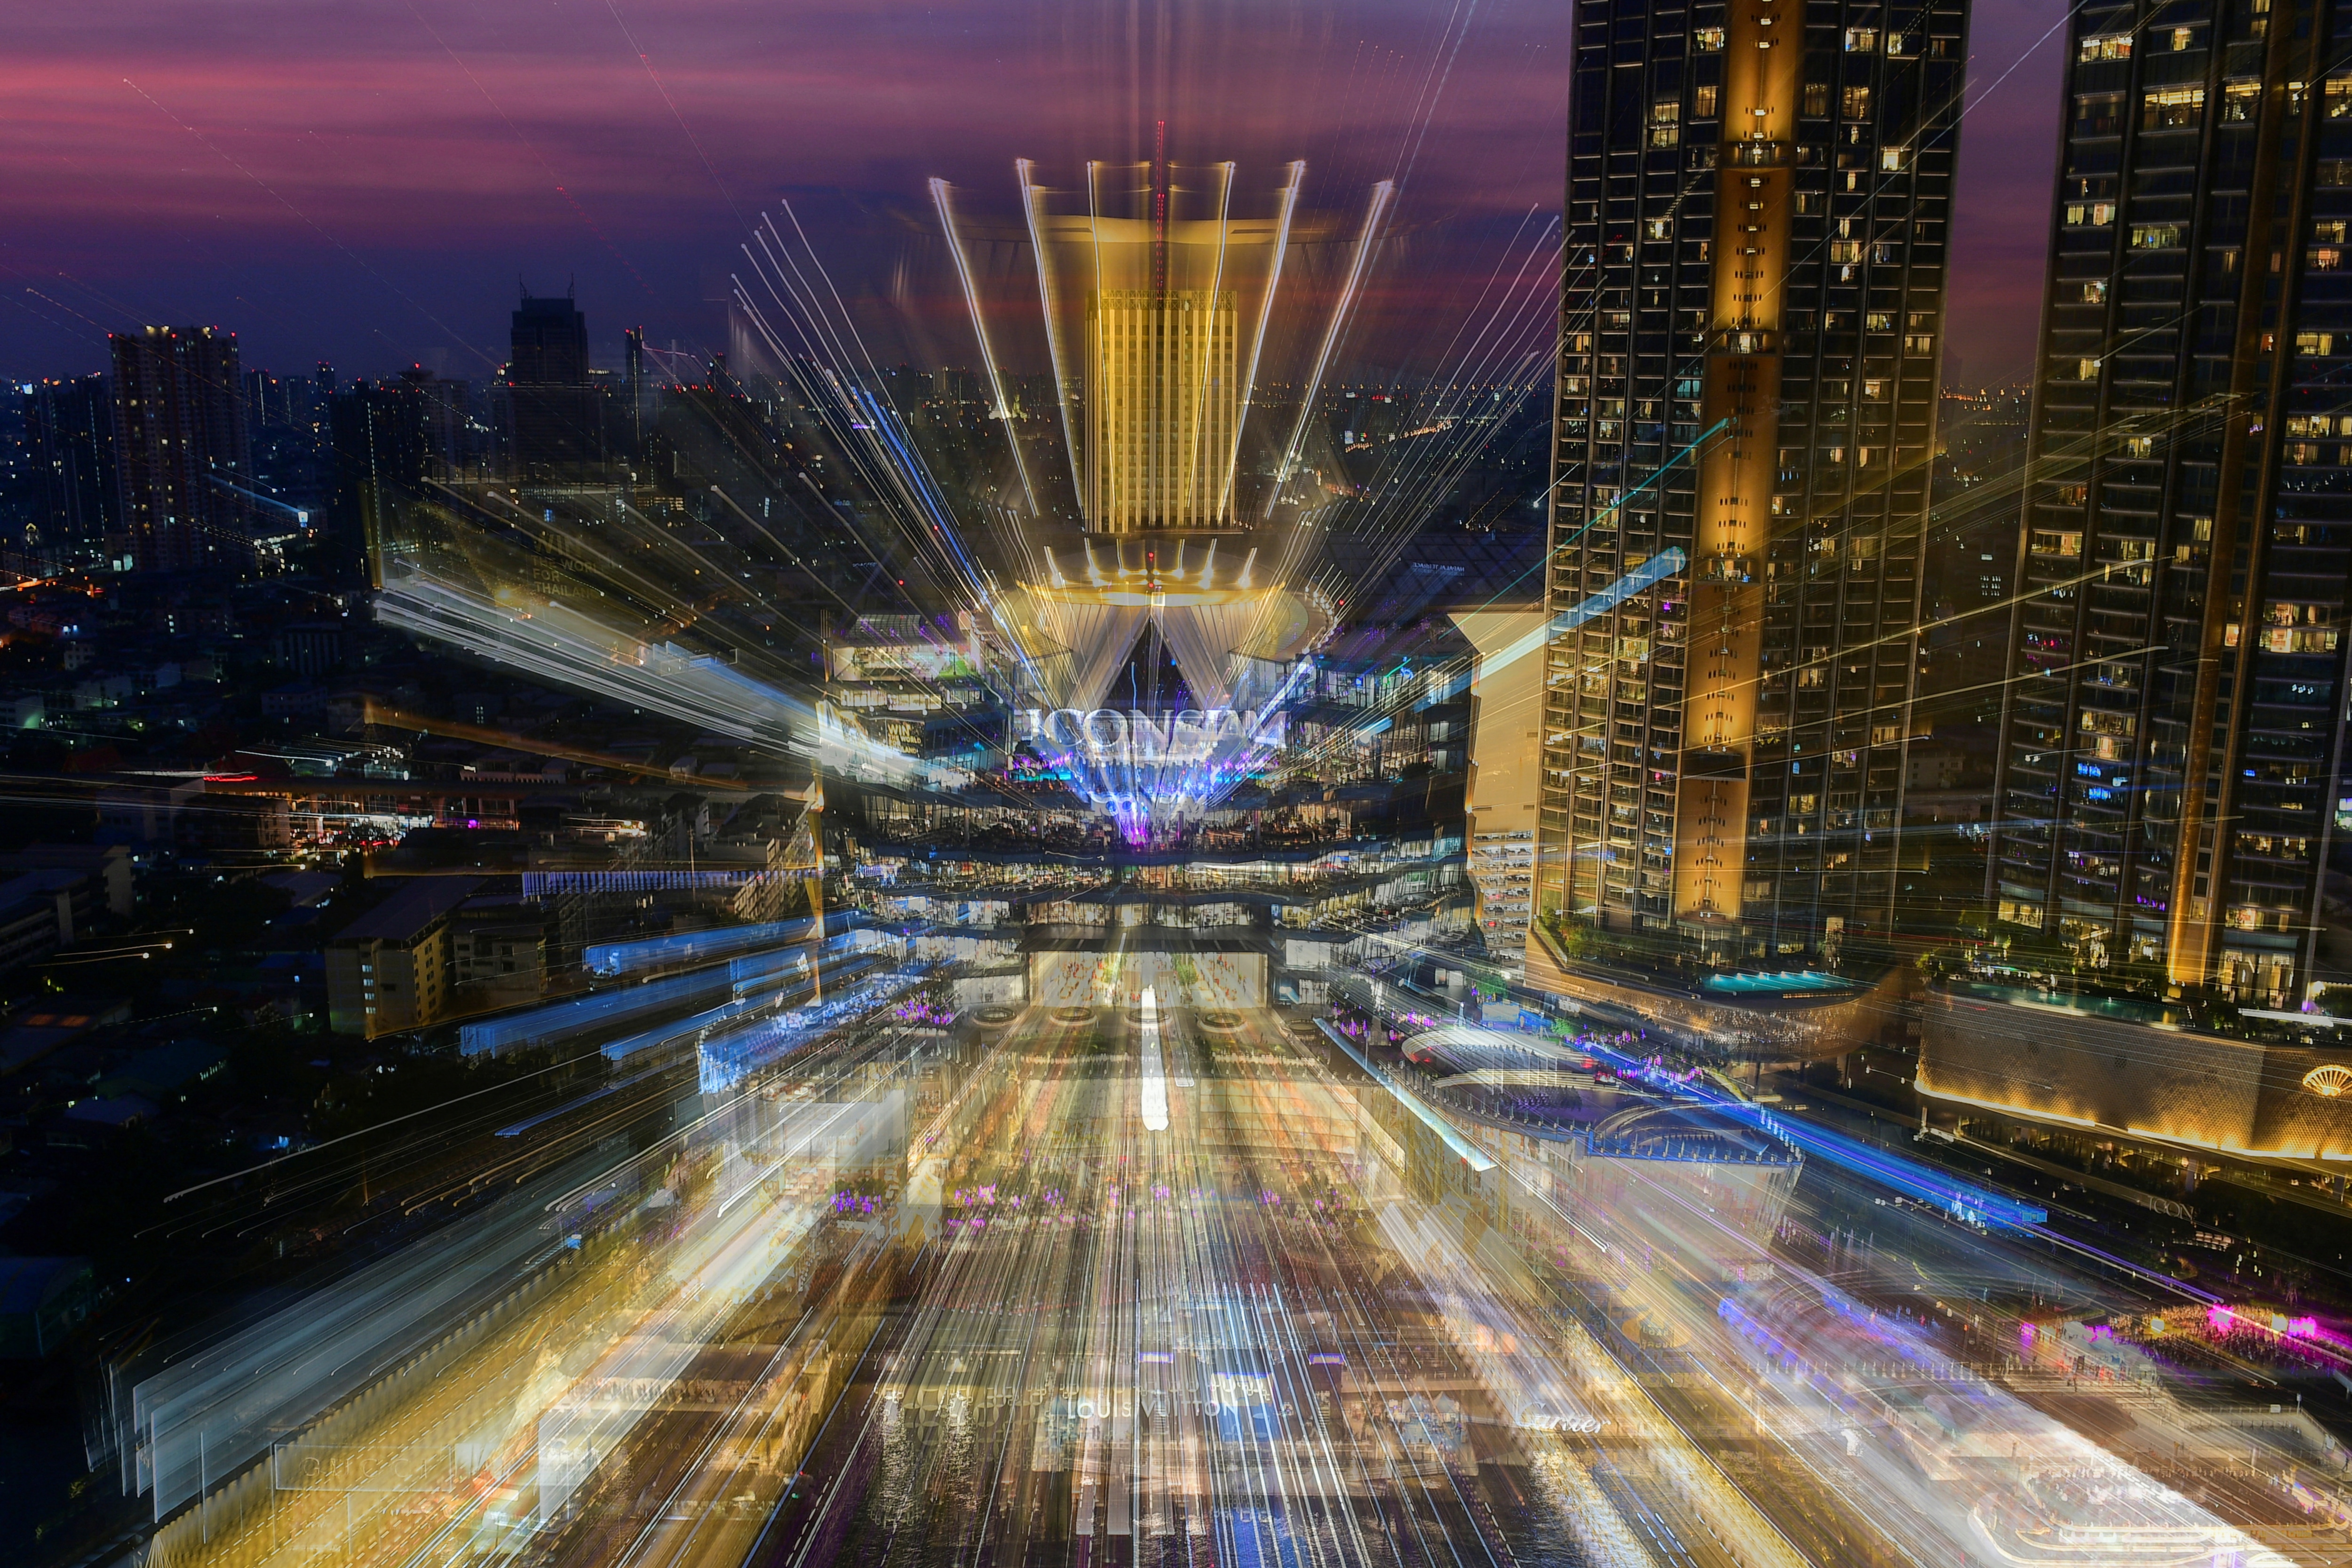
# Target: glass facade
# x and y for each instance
(2183, 552)
(1759, 210)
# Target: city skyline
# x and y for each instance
(1296, 791)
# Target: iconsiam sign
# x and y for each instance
(1243, 650)
(1161, 302)
(1154, 770)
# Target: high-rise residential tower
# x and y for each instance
(2179, 644)
(69, 448)
(182, 452)
(557, 415)
(379, 438)
(1758, 207)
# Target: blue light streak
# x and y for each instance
(724, 1061)
(540, 1026)
(1963, 1201)
(608, 959)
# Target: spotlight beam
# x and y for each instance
(1383, 195)
(940, 199)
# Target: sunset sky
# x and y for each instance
(366, 181)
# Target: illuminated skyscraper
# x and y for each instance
(182, 449)
(1156, 296)
(1757, 217)
(2143, 697)
(1164, 409)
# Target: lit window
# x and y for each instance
(2171, 108)
(2106, 46)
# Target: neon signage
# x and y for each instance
(1131, 737)
(1143, 769)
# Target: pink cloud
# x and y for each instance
(360, 176)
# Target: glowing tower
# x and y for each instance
(1156, 296)
(1758, 215)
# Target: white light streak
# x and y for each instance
(1155, 1067)
(940, 198)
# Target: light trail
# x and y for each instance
(1242, 1315)
(380, 713)
(1153, 1092)
(571, 646)
(1666, 564)
(1375, 215)
(942, 200)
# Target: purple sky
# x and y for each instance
(365, 180)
